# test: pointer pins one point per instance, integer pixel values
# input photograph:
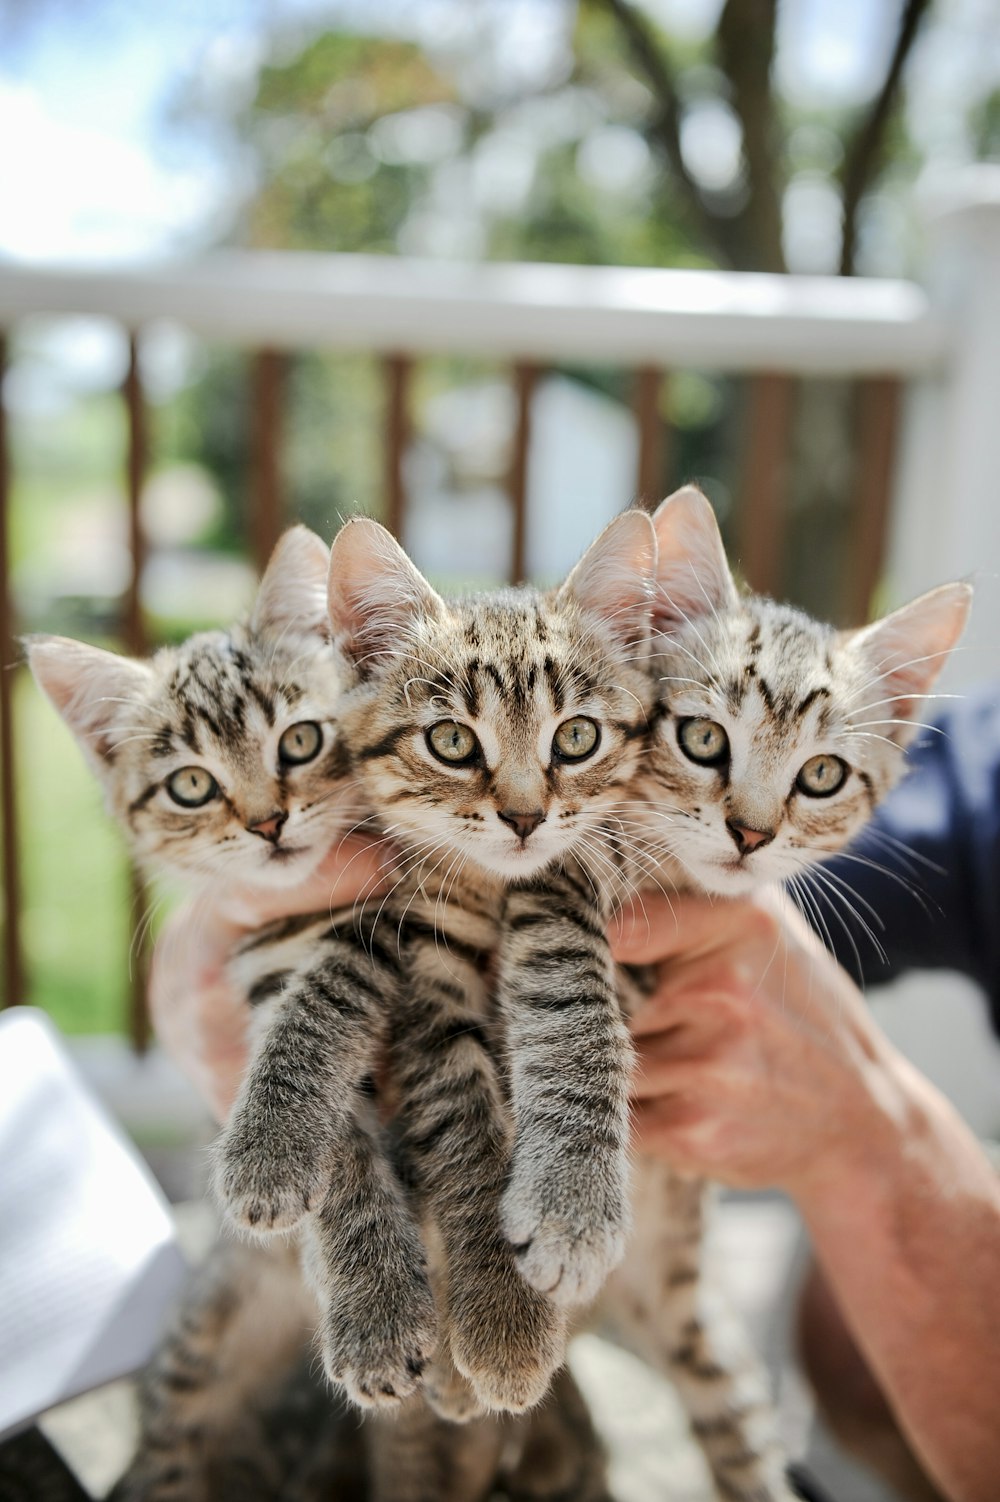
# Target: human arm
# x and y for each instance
(759, 1065)
(199, 1018)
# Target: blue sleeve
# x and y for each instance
(926, 873)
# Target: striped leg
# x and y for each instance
(505, 1338)
(671, 1315)
(318, 1040)
(365, 1261)
(565, 1208)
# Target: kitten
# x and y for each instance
(543, 704)
(198, 763)
(772, 741)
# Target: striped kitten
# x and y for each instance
(773, 738)
(211, 750)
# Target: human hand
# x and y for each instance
(758, 1063)
(199, 1018)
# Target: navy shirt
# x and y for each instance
(937, 838)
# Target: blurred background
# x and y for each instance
(805, 138)
(290, 225)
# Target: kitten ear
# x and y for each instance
(374, 593)
(693, 576)
(904, 653)
(89, 688)
(292, 593)
(614, 578)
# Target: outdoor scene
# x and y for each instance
(676, 134)
(805, 194)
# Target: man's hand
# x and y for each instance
(199, 1019)
(757, 1062)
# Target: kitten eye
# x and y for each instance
(703, 741)
(451, 742)
(192, 787)
(821, 776)
(576, 738)
(300, 743)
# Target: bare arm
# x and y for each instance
(760, 1065)
(198, 1018)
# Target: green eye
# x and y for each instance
(451, 742)
(576, 738)
(821, 776)
(192, 786)
(703, 741)
(300, 743)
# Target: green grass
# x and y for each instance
(74, 878)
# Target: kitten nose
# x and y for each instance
(748, 839)
(269, 828)
(522, 824)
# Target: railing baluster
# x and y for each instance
(525, 380)
(396, 375)
(878, 424)
(267, 382)
(134, 633)
(760, 519)
(652, 436)
(12, 965)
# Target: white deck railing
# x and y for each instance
(939, 347)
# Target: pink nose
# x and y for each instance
(522, 824)
(748, 839)
(269, 828)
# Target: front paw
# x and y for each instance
(566, 1239)
(506, 1338)
(378, 1349)
(264, 1181)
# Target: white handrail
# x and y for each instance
(629, 317)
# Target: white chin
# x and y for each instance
(517, 863)
(727, 880)
(277, 869)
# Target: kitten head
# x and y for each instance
(777, 736)
(496, 729)
(219, 757)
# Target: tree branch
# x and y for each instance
(863, 155)
(745, 45)
(665, 125)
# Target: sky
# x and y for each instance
(89, 172)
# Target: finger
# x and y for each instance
(664, 1073)
(659, 929)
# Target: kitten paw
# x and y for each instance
(379, 1368)
(506, 1338)
(266, 1185)
(565, 1249)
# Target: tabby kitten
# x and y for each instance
(462, 718)
(222, 761)
(773, 739)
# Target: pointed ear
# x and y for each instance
(292, 593)
(904, 653)
(375, 594)
(90, 689)
(693, 576)
(614, 578)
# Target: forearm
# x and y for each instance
(907, 1227)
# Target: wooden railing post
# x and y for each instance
(267, 384)
(760, 518)
(12, 961)
(878, 402)
(525, 381)
(396, 433)
(134, 633)
(652, 436)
